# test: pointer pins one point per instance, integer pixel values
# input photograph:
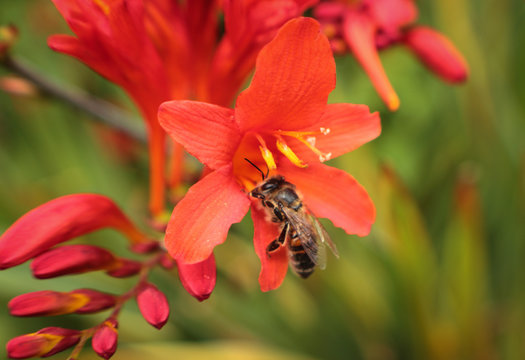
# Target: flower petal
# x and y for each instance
(60, 220)
(332, 193)
(359, 33)
(207, 131)
(437, 53)
(345, 127)
(273, 269)
(198, 279)
(201, 220)
(294, 74)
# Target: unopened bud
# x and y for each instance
(72, 259)
(153, 305)
(43, 343)
(105, 339)
(48, 303)
(198, 279)
(437, 53)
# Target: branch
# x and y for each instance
(103, 111)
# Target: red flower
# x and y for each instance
(281, 122)
(366, 26)
(159, 50)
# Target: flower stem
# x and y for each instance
(101, 110)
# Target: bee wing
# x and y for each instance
(323, 235)
(307, 232)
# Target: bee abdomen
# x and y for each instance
(301, 262)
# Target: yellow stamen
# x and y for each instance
(308, 138)
(285, 149)
(103, 6)
(266, 153)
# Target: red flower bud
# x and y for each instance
(198, 279)
(125, 268)
(72, 259)
(48, 303)
(105, 339)
(437, 53)
(43, 343)
(60, 220)
(153, 305)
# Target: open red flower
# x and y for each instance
(366, 26)
(158, 50)
(282, 121)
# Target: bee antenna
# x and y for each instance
(255, 166)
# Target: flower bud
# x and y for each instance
(153, 305)
(437, 53)
(60, 220)
(198, 279)
(125, 268)
(48, 303)
(105, 339)
(43, 343)
(72, 259)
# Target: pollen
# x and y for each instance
(324, 131)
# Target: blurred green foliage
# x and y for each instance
(439, 277)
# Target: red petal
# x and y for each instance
(294, 74)
(332, 193)
(437, 53)
(359, 34)
(207, 131)
(201, 220)
(198, 279)
(153, 305)
(273, 269)
(347, 126)
(60, 220)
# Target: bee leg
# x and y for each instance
(279, 242)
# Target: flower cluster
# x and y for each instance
(35, 236)
(183, 72)
(366, 26)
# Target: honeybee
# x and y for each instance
(302, 234)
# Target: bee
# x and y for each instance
(302, 234)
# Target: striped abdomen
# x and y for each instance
(299, 259)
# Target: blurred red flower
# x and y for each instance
(366, 26)
(282, 121)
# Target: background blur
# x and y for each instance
(440, 275)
